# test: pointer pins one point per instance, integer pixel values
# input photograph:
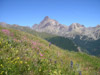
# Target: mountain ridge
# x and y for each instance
(52, 26)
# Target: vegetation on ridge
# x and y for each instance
(59, 41)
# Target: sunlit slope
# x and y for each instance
(24, 54)
(59, 41)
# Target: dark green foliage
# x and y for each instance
(89, 46)
(63, 43)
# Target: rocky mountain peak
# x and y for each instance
(46, 18)
(2, 23)
(52, 26)
(48, 21)
(75, 26)
(98, 25)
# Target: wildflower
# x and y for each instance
(29, 68)
(80, 73)
(15, 39)
(1, 65)
(41, 54)
(40, 69)
(59, 71)
(12, 34)
(17, 58)
(21, 62)
(55, 72)
(11, 61)
(37, 48)
(16, 51)
(25, 62)
(5, 31)
(71, 64)
(15, 62)
(33, 47)
(55, 62)
(34, 43)
(50, 60)
(49, 44)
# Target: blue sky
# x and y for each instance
(29, 12)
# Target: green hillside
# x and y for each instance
(59, 41)
(87, 46)
(24, 54)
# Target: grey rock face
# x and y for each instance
(52, 26)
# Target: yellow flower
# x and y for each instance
(17, 58)
(15, 62)
(40, 69)
(6, 43)
(55, 72)
(2, 39)
(9, 58)
(59, 71)
(29, 68)
(11, 61)
(12, 49)
(25, 62)
(16, 51)
(1, 65)
(21, 62)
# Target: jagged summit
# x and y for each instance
(48, 21)
(77, 25)
(98, 25)
(46, 18)
(52, 26)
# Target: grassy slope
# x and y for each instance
(24, 54)
(90, 47)
(59, 41)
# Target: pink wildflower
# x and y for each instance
(33, 47)
(6, 31)
(37, 48)
(15, 39)
(41, 54)
(34, 43)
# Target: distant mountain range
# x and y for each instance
(87, 38)
(52, 26)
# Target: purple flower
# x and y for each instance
(71, 64)
(55, 62)
(80, 73)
